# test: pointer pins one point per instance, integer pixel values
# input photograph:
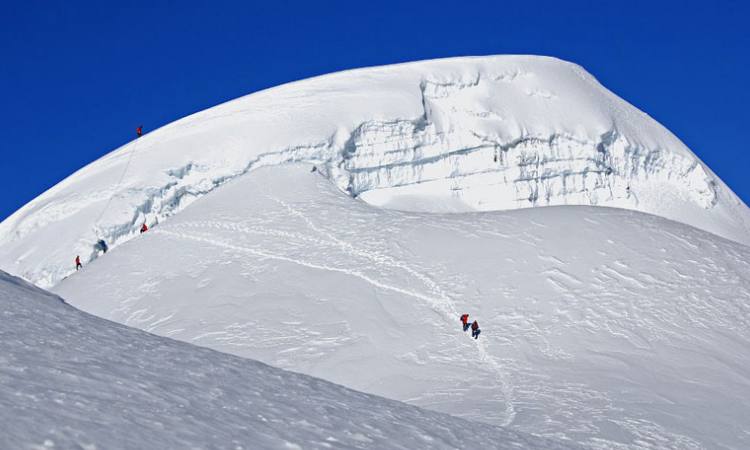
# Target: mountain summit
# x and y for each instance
(452, 135)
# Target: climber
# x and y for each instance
(78, 263)
(101, 245)
(475, 330)
(314, 169)
(139, 130)
(465, 321)
(144, 228)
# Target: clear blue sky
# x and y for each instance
(78, 77)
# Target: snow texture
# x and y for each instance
(603, 327)
(73, 381)
(464, 134)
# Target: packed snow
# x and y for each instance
(604, 327)
(464, 134)
(71, 380)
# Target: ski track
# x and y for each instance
(437, 298)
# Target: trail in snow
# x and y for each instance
(374, 256)
(267, 255)
(441, 302)
(443, 299)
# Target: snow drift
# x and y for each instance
(71, 380)
(487, 133)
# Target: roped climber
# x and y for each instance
(475, 330)
(101, 245)
(465, 321)
(78, 263)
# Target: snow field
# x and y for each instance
(631, 331)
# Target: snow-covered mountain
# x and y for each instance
(603, 327)
(489, 133)
(71, 380)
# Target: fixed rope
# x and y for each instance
(117, 185)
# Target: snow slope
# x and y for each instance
(70, 380)
(605, 327)
(464, 134)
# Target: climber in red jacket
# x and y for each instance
(465, 321)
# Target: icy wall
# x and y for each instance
(444, 152)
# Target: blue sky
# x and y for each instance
(78, 77)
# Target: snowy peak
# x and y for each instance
(462, 134)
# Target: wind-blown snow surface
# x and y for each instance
(601, 326)
(488, 133)
(70, 380)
